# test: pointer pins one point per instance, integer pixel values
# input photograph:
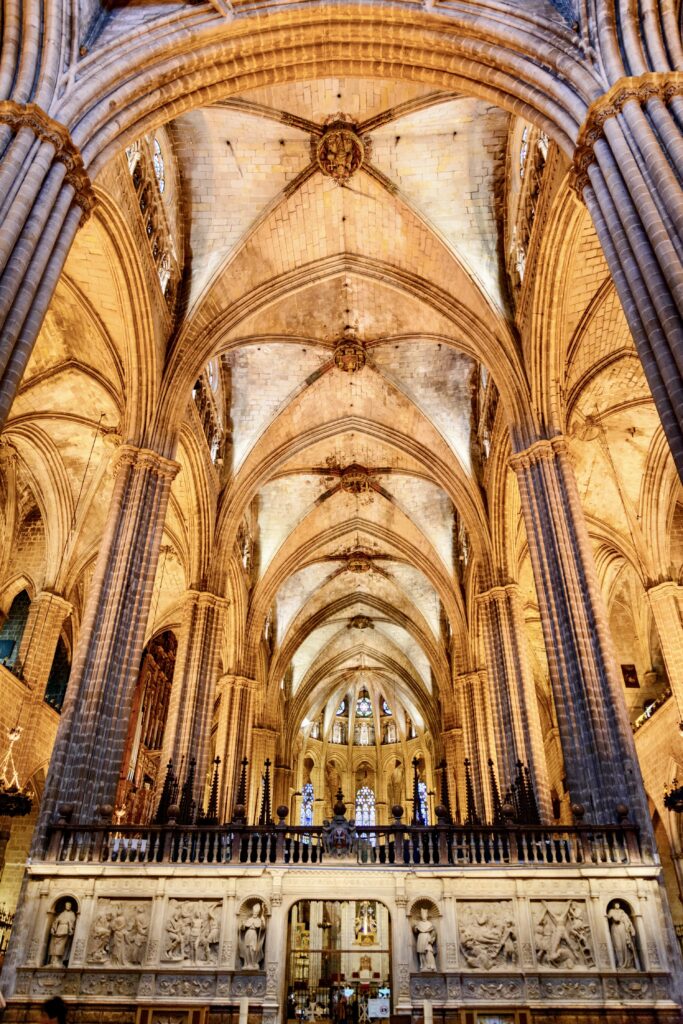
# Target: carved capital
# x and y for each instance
(45, 128)
(535, 453)
(144, 458)
(641, 88)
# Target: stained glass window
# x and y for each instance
(365, 806)
(159, 166)
(424, 802)
(385, 708)
(307, 804)
(363, 706)
(342, 708)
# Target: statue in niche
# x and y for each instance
(119, 933)
(623, 935)
(396, 784)
(61, 934)
(192, 932)
(488, 935)
(333, 782)
(562, 936)
(390, 733)
(252, 937)
(366, 923)
(425, 941)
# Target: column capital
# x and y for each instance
(500, 593)
(237, 682)
(145, 458)
(546, 448)
(205, 598)
(641, 88)
(664, 589)
(45, 128)
(56, 603)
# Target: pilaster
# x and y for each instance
(600, 759)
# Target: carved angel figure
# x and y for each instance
(252, 938)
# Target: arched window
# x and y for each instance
(365, 806)
(424, 802)
(307, 804)
(159, 165)
(13, 629)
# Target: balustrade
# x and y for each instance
(388, 845)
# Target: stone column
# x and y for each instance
(88, 751)
(454, 756)
(471, 691)
(193, 692)
(233, 739)
(263, 745)
(517, 723)
(666, 602)
(45, 194)
(46, 617)
(627, 162)
(599, 754)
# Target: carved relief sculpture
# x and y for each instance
(425, 941)
(623, 934)
(192, 932)
(118, 935)
(562, 935)
(488, 936)
(61, 934)
(252, 936)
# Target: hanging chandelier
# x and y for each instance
(15, 801)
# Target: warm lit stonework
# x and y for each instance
(341, 527)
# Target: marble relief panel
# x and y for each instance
(561, 934)
(488, 934)
(119, 932)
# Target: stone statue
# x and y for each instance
(425, 941)
(396, 784)
(623, 934)
(60, 935)
(333, 782)
(252, 938)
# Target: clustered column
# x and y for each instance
(513, 693)
(235, 720)
(188, 728)
(472, 697)
(46, 616)
(94, 723)
(45, 194)
(666, 602)
(601, 765)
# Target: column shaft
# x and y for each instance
(233, 739)
(666, 602)
(46, 617)
(94, 723)
(193, 692)
(478, 739)
(600, 759)
(513, 694)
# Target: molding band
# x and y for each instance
(31, 116)
(651, 85)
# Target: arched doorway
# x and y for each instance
(338, 961)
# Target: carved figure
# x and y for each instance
(252, 938)
(488, 936)
(425, 941)
(623, 934)
(562, 936)
(60, 935)
(333, 782)
(119, 934)
(396, 781)
(192, 932)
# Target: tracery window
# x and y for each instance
(342, 708)
(385, 708)
(307, 797)
(365, 806)
(159, 169)
(363, 706)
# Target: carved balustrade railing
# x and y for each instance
(441, 846)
